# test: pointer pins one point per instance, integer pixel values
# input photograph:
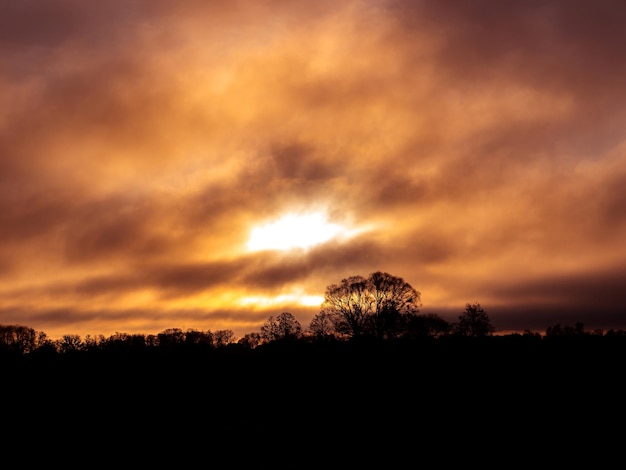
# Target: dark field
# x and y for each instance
(508, 392)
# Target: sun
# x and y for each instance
(294, 231)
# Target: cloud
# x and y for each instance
(480, 145)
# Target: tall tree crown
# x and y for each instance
(371, 305)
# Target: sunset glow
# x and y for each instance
(293, 231)
(208, 164)
(284, 299)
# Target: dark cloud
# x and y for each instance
(299, 162)
(570, 41)
(110, 228)
(49, 24)
(612, 200)
(190, 278)
(590, 290)
(168, 280)
(273, 271)
(26, 216)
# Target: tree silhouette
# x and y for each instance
(283, 326)
(373, 305)
(322, 325)
(71, 343)
(223, 338)
(392, 298)
(19, 339)
(428, 325)
(474, 322)
(171, 337)
(250, 340)
(557, 330)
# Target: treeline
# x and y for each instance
(369, 374)
(300, 383)
(376, 311)
(282, 331)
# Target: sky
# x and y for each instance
(207, 165)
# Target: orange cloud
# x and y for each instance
(141, 145)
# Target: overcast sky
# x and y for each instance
(476, 149)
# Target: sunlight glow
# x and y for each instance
(293, 231)
(264, 301)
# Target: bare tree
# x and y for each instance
(250, 340)
(70, 343)
(95, 342)
(372, 305)
(223, 337)
(17, 338)
(348, 304)
(196, 338)
(392, 298)
(322, 325)
(283, 326)
(424, 326)
(474, 322)
(171, 337)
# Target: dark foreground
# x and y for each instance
(511, 395)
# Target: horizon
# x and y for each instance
(452, 320)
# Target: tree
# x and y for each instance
(424, 326)
(197, 338)
(250, 340)
(392, 298)
(93, 343)
(18, 339)
(171, 338)
(373, 305)
(283, 326)
(347, 304)
(70, 343)
(322, 325)
(223, 338)
(474, 322)
(567, 330)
